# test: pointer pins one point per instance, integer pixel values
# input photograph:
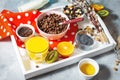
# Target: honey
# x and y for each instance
(87, 69)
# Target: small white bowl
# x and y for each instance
(22, 38)
(52, 36)
(93, 63)
(89, 45)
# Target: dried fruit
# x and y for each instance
(89, 30)
(116, 69)
(72, 11)
(103, 13)
(97, 7)
(52, 56)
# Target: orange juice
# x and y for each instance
(87, 69)
(37, 48)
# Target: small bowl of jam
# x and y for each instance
(84, 41)
(25, 31)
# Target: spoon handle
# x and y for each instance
(72, 21)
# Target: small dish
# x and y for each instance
(84, 41)
(25, 31)
(88, 68)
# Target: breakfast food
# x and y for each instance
(50, 24)
(89, 30)
(25, 31)
(37, 48)
(97, 7)
(103, 13)
(73, 11)
(84, 41)
(65, 49)
(87, 69)
(52, 56)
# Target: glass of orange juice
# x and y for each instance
(37, 48)
(88, 68)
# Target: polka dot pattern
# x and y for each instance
(1, 27)
(35, 19)
(13, 30)
(34, 12)
(8, 12)
(8, 33)
(29, 22)
(54, 48)
(14, 26)
(13, 20)
(26, 14)
(65, 36)
(4, 30)
(0, 37)
(75, 25)
(9, 24)
(1, 17)
(18, 17)
(23, 46)
(21, 23)
(51, 42)
(4, 19)
(72, 33)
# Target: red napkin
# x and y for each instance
(10, 20)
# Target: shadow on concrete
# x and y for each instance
(111, 25)
(104, 73)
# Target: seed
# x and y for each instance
(116, 69)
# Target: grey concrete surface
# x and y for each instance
(10, 69)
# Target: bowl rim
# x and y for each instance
(24, 25)
(91, 61)
(50, 12)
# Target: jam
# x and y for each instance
(25, 31)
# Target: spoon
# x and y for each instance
(71, 21)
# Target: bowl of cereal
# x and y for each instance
(49, 27)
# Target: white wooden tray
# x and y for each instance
(78, 54)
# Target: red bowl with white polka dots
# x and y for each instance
(52, 36)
